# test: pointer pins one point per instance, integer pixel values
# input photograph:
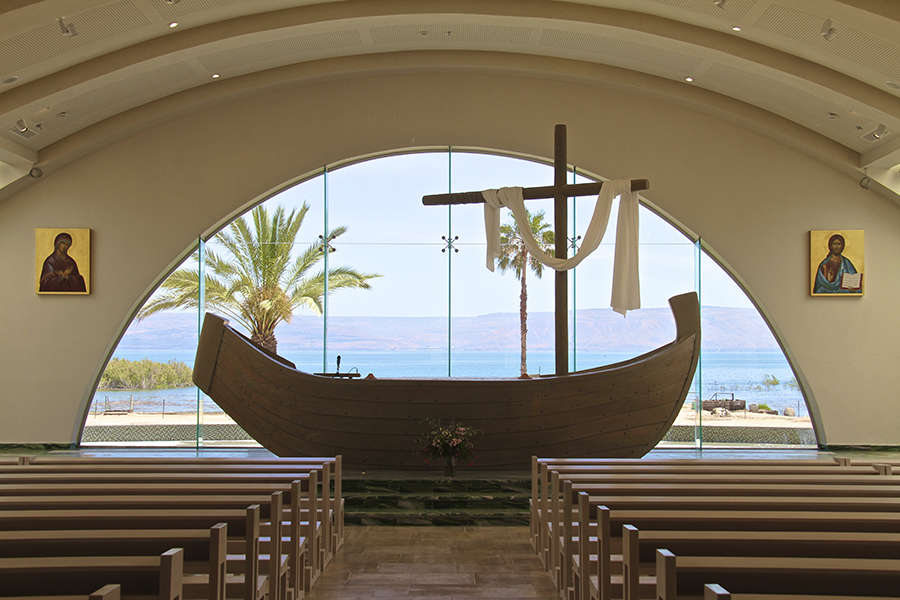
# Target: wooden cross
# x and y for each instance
(560, 191)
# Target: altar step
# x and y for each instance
(440, 502)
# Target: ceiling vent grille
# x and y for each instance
(94, 26)
(730, 8)
(845, 43)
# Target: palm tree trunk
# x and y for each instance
(523, 314)
(265, 340)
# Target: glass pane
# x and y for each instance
(298, 337)
(486, 306)
(397, 327)
(145, 396)
(750, 394)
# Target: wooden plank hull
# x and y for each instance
(619, 410)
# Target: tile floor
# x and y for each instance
(434, 562)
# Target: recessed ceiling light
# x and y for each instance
(890, 84)
(62, 114)
(10, 79)
(172, 1)
(689, 79)
(173, 24)
(833, 115)
(736, 28)
(827, 30)
(719, 3)
(215, 75)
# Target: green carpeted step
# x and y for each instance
(466, 502)
(455, 517)
(437, 486)
(423, 501)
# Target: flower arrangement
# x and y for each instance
(451, 442)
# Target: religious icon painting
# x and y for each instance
(836, 262)
(62, 258)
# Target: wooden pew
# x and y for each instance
(198, 501)
(131, 514)
(838, 481)
(123, 472)
(205, 548)
(714, 591)
(92, 474)
(835, 480)
(560, 529)
(685, 576)
(245, 522)
(639, 548)
(107, 592)
(336, 463)
(139, 576)
(545, 491)
(609, 524)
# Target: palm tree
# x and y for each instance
(255, 281)
(514, 254)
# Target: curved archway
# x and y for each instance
(455, 343)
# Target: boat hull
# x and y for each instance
(622, 410)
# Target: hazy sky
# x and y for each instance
(390, 232)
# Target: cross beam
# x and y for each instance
(560, 191)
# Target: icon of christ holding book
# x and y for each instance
(836, 273)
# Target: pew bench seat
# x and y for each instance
(158, 577)
(714, 591)
(678, 577)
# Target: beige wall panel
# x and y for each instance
(147, 198)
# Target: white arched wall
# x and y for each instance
(148, 196)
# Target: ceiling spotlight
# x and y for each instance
(170, 2)
(36, 172)
(22, 126)
(833, 115)
(876, 134)
(215, 75)
(890, 84)
(735, 27)
(689, 79)
(173, 24)
(719, 3)
(10, 79)
(67, 29)
(827, 30)
(865, 182)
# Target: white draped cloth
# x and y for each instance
(626, 291)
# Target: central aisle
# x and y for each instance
(434, 562)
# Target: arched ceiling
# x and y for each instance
(829, 69)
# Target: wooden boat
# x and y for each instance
(618, 410)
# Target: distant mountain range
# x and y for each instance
(598, 330)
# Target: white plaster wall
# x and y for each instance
(147, 197)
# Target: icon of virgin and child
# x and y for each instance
(60, 271)
(831, 271)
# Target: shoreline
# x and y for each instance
(686, 417)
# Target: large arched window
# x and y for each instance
(428, 306)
